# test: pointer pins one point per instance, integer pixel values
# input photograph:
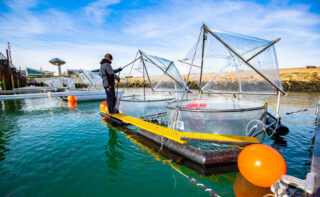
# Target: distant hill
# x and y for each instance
(301, 79)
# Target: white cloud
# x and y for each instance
(168, 29)
(26, 24)
(176, 25)
(21, 4)
(98, 11)
(85, 56)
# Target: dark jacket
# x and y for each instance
(108, 74)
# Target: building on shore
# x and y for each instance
(311, 67)
(31, 72)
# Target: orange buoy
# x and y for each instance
(104, 106)
(261, 165)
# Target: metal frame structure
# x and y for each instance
(204, 31)
(203, 37)
(140, 55)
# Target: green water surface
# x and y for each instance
(47, 149)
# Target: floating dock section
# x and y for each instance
(85, 95)
(205, 170)
(176, 140)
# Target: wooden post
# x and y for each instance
(12, 79)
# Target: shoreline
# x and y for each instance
(293, 79)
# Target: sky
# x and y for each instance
(80, 32)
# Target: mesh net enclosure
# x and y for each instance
(150, 82)
(156, 73)
(223, 62)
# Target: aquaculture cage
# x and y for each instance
(241, 70)
(149, 107)
(226, 117)
(154, 82)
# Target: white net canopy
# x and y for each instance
(156, 73)
(223, 62)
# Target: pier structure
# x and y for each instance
(315, 164)
(9, 75)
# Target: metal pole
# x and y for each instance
(165, 72)
(278, 104)
(161, 69)
(143, 64)
(202, 55)
(239, 56)
(189, 63)
(265, 48)
(127, 78)
(144, 88)
(131, 62)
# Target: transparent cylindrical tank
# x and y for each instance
(140, 106)
(228, 117)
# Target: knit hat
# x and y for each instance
(108, 56)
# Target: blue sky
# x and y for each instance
(82, 31)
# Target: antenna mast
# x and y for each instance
(9, 55)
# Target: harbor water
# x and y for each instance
(46, 149)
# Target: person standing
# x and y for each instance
(108, 77)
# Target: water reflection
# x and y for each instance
(242, 188)
(113, 153)
(8, 126)
(279, 142)
(10, 105)
(298, 99)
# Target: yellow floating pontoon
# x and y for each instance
(176, 140)
(178, 136)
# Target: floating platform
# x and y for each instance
(206, 170)
(81, 95)
(176, 140)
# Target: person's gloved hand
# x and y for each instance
(120, 69)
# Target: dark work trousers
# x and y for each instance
(111, 99)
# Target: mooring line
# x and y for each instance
(211, 192)
(287, 121)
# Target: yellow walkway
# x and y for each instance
(176, 135)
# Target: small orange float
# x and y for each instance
(104, 107)
(72, 102)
